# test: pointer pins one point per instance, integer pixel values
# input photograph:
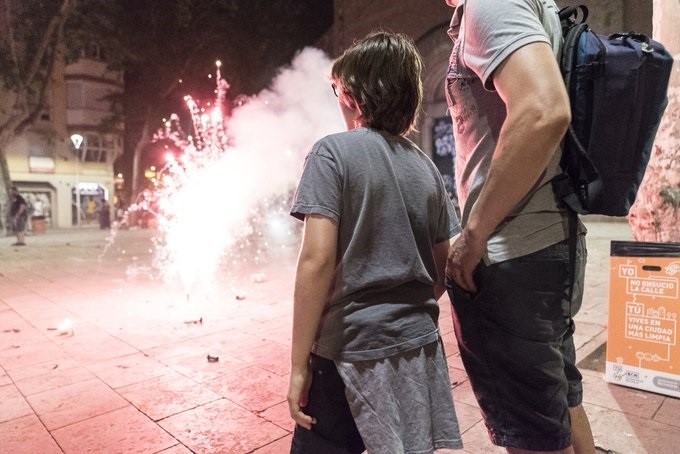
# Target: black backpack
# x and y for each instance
(617, 87)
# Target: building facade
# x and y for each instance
(64, 184)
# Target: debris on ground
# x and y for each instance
(66, 328)
(213, 359)
(258, 278)
(194, 322)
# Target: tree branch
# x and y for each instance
(55, 24)
(9, 28)
(40, 102)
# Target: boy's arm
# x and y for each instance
(315, 268)
(441, 252)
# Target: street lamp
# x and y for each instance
(77, 141)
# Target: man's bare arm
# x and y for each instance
(538, 114)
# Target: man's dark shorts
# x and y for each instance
(515, 339)
(335, 431)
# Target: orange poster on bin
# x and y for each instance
(644, 303)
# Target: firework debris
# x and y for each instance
(213, 359)
(194, 322)
(240, 296)
(12, 330)
(66, 328)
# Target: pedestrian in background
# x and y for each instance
(104, 215)
(18, 213)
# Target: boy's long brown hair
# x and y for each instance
(382, 74)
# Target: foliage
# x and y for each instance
(31, 38)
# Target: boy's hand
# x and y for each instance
(298, 394)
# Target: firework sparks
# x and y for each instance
(229, 187)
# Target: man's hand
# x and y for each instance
(298, 394)
(465, 254)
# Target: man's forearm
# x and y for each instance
(526, 145)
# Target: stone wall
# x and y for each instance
(427, 21)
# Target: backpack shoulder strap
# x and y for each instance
(569, 16)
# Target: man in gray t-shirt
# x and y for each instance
(509, 269)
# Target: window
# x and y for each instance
(74, 93)
(98, 147)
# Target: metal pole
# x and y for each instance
(77, 141)
(78, 187)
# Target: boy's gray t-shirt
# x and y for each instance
(486, 33)
(389, 202)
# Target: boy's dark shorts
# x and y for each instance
(335, 431)
(515, 340)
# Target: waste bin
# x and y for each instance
(643, 345)
(38, 224)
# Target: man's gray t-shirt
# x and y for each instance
(485, 33)
(391, 207)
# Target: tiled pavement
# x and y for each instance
(133, 375)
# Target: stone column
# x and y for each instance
(655, 216)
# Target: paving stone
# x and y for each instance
(279, 330)
(88, 350)
(4, 378)
(126, 370)
(282, 445)
(476, 440)
(124, 431)
(450, 343)
(268, 355)
(26, 435)
(29, 354)
(55, 378)
(175, 349)
(221, 426)
(669, 413)
(624, 433)
(167, 395)
(12, 403)
(197, 367)
(279, 415)
(463, 393)
(585, 331)
(15, 330)
(619, 398)
(47, 367)
(253, 388)
(228, 342)
(177, 449)
(454, 360)
(467, 415)
(73, 403)
(457, 376)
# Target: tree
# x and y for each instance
(31, 40)
(167, 40)
(171, 46)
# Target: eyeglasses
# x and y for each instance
(335, 89)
